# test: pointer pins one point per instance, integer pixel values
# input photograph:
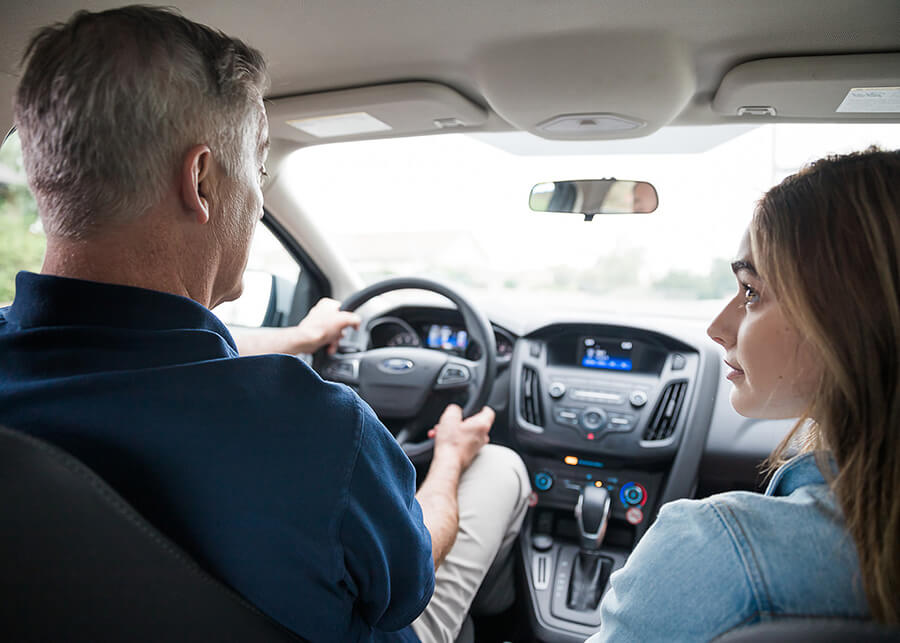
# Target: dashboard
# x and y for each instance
(437, 329)
(553, 368)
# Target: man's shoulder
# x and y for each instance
(291, 381)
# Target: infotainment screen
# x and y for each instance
(447, 338)
(609, 354)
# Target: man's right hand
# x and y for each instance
(456, 443)
(461, 439)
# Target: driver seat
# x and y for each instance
(79, 564)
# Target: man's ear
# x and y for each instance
(195, 181)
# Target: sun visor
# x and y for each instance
(399, 109)
(821, 88)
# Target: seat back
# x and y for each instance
(77, 563)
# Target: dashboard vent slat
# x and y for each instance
(665, 414)
(531, 397)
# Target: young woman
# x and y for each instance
(813, 332)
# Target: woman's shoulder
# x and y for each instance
(738, 555)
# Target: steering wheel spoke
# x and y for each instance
(342, 368)
(457, 374)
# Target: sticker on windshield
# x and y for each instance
(872, 100)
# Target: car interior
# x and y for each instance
(616, 403)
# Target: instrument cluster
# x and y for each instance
(435, 334)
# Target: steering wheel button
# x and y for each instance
(454, 374)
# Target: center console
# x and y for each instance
(611, 422)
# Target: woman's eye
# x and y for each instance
(750, 294)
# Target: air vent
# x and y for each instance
(531, 397)
(665, 415)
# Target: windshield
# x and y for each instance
(454, 207)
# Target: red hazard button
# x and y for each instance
(634, 515)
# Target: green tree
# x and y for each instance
(718, 282)
(620, 269)
(22, 240)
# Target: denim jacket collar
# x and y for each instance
(798, 472)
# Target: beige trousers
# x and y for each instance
(493, 498)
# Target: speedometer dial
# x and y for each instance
(403, 338)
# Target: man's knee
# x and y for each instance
(502, 471)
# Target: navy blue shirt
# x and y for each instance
(285, 486)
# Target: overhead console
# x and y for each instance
(610, 420)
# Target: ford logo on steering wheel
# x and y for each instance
(396, 365)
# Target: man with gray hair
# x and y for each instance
(145, 138)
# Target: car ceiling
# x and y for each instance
(522, 61)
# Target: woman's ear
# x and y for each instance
(195, 180)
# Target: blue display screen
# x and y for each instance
(610, 355)
(447, 338)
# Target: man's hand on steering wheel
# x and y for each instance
(461, 439)
(322, 326)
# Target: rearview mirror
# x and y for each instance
(602, 196)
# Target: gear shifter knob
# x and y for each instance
(591, 514)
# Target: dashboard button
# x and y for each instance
(633, 494)
(593, 419)
(566, 416)
(678, 362)
(557, 390)
(637, 398)
(620, 422)
(543, 480)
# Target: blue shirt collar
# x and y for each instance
(797, 472)
(46, 300)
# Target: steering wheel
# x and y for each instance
(397, 381)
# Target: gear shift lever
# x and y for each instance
(590, 570)
(592, 514)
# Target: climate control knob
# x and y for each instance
(593, 419)
(633, 494)
(543, 480)
(557, 390)
(637, 398)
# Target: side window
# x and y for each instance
(270, 281)
(22, 240)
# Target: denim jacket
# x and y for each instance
(712, 565)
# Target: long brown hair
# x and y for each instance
(827, 241)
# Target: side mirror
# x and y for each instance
(592, 197)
